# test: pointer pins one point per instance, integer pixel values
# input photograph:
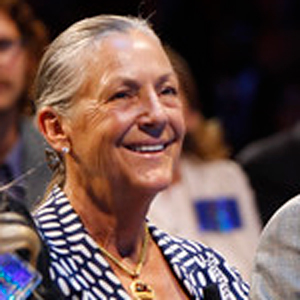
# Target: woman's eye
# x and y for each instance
(120, 95)
(169, 91)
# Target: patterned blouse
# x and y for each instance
(82, 272)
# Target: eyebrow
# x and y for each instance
(162, 79)
(134, 83)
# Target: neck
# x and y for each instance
(8, 133)
(114, 220)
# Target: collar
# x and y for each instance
(181, 260)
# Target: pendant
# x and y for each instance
(141, 290)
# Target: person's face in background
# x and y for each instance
(13, 64)
(128, 123)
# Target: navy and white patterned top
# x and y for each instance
(81, 271)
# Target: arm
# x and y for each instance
(276, 273)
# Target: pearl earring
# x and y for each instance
(65, 150)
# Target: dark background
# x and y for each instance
(245, 54)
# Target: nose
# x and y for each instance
(154, 118)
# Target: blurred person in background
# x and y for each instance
(276, 265)
(210, 199)
(22, 41)
(272, 165)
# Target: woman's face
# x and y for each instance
(127, 122)
(13, 64)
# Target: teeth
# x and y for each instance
(148, 148)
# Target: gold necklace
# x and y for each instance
(139, 289)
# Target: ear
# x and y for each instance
(51, 126)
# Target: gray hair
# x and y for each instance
(62, 69)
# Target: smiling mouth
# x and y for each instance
(143, 148)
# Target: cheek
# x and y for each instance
(91, 147)
(178, 122)
(95, 135)
(88, 132)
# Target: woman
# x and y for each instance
(107, 102)
(22, 41)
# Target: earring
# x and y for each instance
(65, 150)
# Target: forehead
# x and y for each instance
(8, 28)
(129, 52)
(125, 57)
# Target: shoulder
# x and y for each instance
(271, 148)
(172, 246)
(285, 219)
(200, 264)
(55, 206)
(276, 270)
(172, 242)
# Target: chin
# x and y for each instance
(155, 183)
